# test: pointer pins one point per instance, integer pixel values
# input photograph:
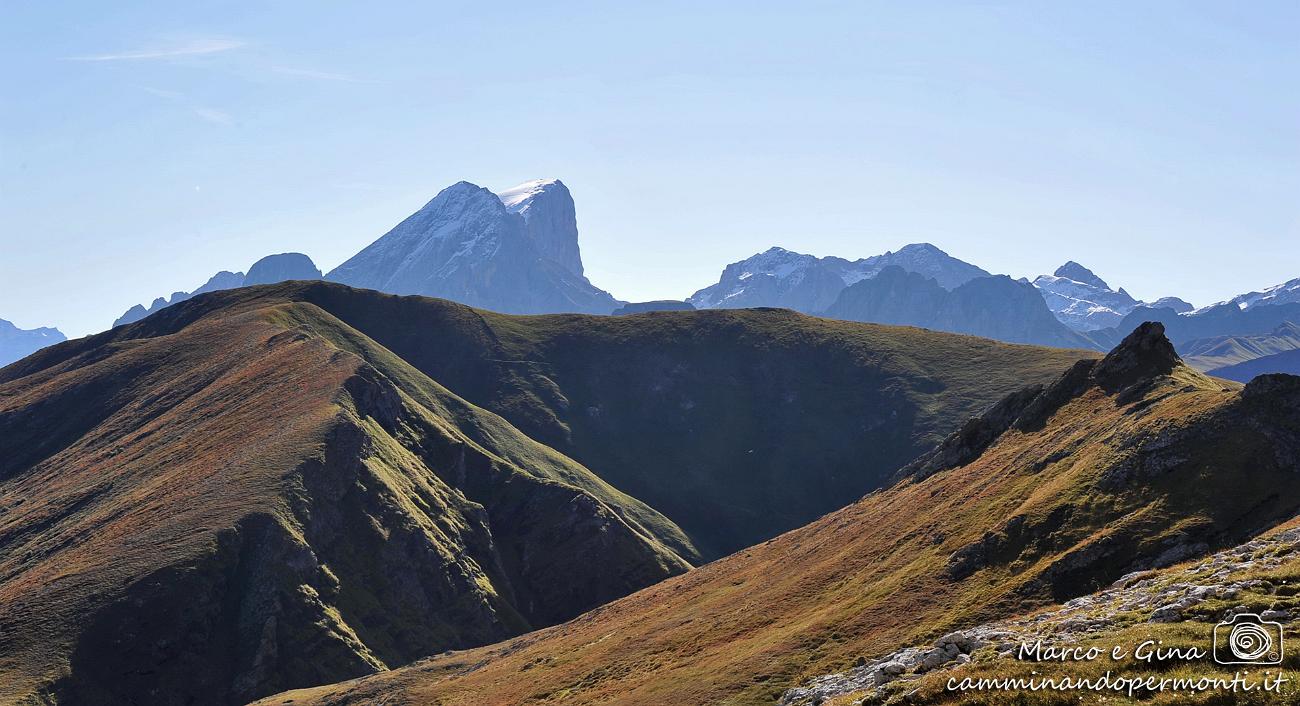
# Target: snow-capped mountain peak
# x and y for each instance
(1082, 300)
(1284, 293)
(517, 255)
(1074, 271)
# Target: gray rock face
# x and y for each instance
(791, 280)
(1144, 353)
(993, 307)
(465, 245)
(17, 343)
(550, 219)
(280, 268)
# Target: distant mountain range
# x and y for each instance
(809, 284)
(17, 343)
(993, 307)
(517, 251)
(1222, 351)
(287, 485)
(268, 270)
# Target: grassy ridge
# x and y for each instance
(1118, 466)
(228, 503)
(737, 425)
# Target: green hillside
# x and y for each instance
(737, 425)
(1126, 464)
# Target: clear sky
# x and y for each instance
(145, 146)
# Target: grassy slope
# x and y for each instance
(737, 425)
(182, 457)
(1097, 485)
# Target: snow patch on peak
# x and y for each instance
(518, 198)
(1284, 293)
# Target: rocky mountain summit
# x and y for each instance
(470, 246)
(17, 343)
(1084, 302)
(1081, 299)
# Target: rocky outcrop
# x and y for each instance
(1143, 355)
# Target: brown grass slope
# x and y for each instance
(737, 425)
(1134, 461)
(216, 503)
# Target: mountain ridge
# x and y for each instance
(17, 343)
(276, 500)
(995, 307)
(1047, 509)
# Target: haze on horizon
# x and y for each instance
(146, 146)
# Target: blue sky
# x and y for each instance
(145, 146)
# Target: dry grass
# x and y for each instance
(871, 578)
